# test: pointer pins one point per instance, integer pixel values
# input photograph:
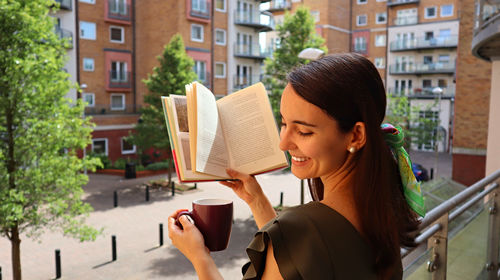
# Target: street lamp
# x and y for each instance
(311, 53)
(437, 91)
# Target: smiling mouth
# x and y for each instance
(299, 159)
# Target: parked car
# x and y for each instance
(420, 172)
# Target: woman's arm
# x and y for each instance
(248, 189)
(271, 270)
(189, 241)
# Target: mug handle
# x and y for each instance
(189, 215)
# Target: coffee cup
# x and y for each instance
(213, 218)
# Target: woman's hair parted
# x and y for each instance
(348, 88)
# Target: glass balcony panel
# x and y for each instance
(242, 81)
(406, 20)
(66, 35)
(417, 268)
(119, 79)
(251, 51)
(119, 10)
(105, 109)
(424, 43)
(254, 18)
(65, 4)
(200, 9)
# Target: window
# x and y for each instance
(88, 1)
(379, 62)
(430, 12)
(444, 58)
(199, 6)
(127, 147)
(381, 18)
(442, 83)
(119, 71)
(199, 68)
(220, 37)
(380, 40)
(447, 10)
(220, 70)
(90, 99)
(429, 35)
(118, 7)
(360, 44)
(117, 101)
(220, 5)
(196, 33)
(116, 34)
(360, 2)
(427, 59)
(426, 83)
(445, 33)
(88, 64)
(87, 30)
(100, 146)
(315, 16)
(361, 20)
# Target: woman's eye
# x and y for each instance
(305, 133)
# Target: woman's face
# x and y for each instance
(313, 139)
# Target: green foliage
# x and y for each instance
(174, 72)
(162, 165)
(120, 163)
(296, 33)
(103, 159)
(40, 130)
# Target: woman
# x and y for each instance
(332, 110)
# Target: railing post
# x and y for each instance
(439, 244)
(493, 236)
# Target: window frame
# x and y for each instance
(105, 144)
(87, 23)
(221, 10)
(380, 22)
(201, 33)
(85, 94)
(426, 15)
(223, 76)
(358, 17)
(127, 152)
(93, 64)
(384, 41)
(122, 34)
(225, 36)
(87, 1)
(379, 59)
(111, 102)
(196, 62)
(441, 10)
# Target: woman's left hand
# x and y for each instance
(187, 239)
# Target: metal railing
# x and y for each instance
(119, 79)
(400, 2)
(253, 18)
(119, 11)
(251, 51)
(424, 43)
(200, 9)
(279, 5)
(487, 12)
(107, 109)
(406, 20)
(421, 92)
(433, 228)
(422, 68)
(65, 34)
(241, 81)
(65, 4)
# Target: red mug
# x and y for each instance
(214, 218)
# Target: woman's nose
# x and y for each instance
(286, 143)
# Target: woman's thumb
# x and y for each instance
(186, 221)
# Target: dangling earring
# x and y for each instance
(352, 149)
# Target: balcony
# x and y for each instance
(65, 4)
(486, 39)
(118, 11)
(422, 43)
(279, 5)
(66, 35)
(406, 20)
(119, 79)
(106, 109)
(200, 9)
(360, 48)
(254, 51)
(422, 68)
(422, 93)
(243, 81)
(253, 19)
(401, 2)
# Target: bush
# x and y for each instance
(106, 162)
(157, 166)
(120, 163)
(139, 167)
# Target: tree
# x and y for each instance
(295, 34)
(40, 131)
(174, 72)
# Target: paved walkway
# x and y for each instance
(135, 223)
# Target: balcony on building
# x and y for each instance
(422, 68)
(422, 93)
(486, 37)
(200, 9)
(261, 21)
(65, 4)
(119, 79)
(254, 51)
(243, 81)
(401, 2)
(422, 43)
(110, 109)
(406, 20)
(118, 10)
(360, 48)
(66, 35)
(279, 5)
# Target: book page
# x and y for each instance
(250, 131)
(211, 153)
(191, 105)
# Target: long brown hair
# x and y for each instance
(348, 88)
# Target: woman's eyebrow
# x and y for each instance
(300, 122)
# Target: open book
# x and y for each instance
(236, 131)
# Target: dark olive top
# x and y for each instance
(312, 241)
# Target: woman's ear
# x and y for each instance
(358, 137)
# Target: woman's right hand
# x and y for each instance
(246, 186)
